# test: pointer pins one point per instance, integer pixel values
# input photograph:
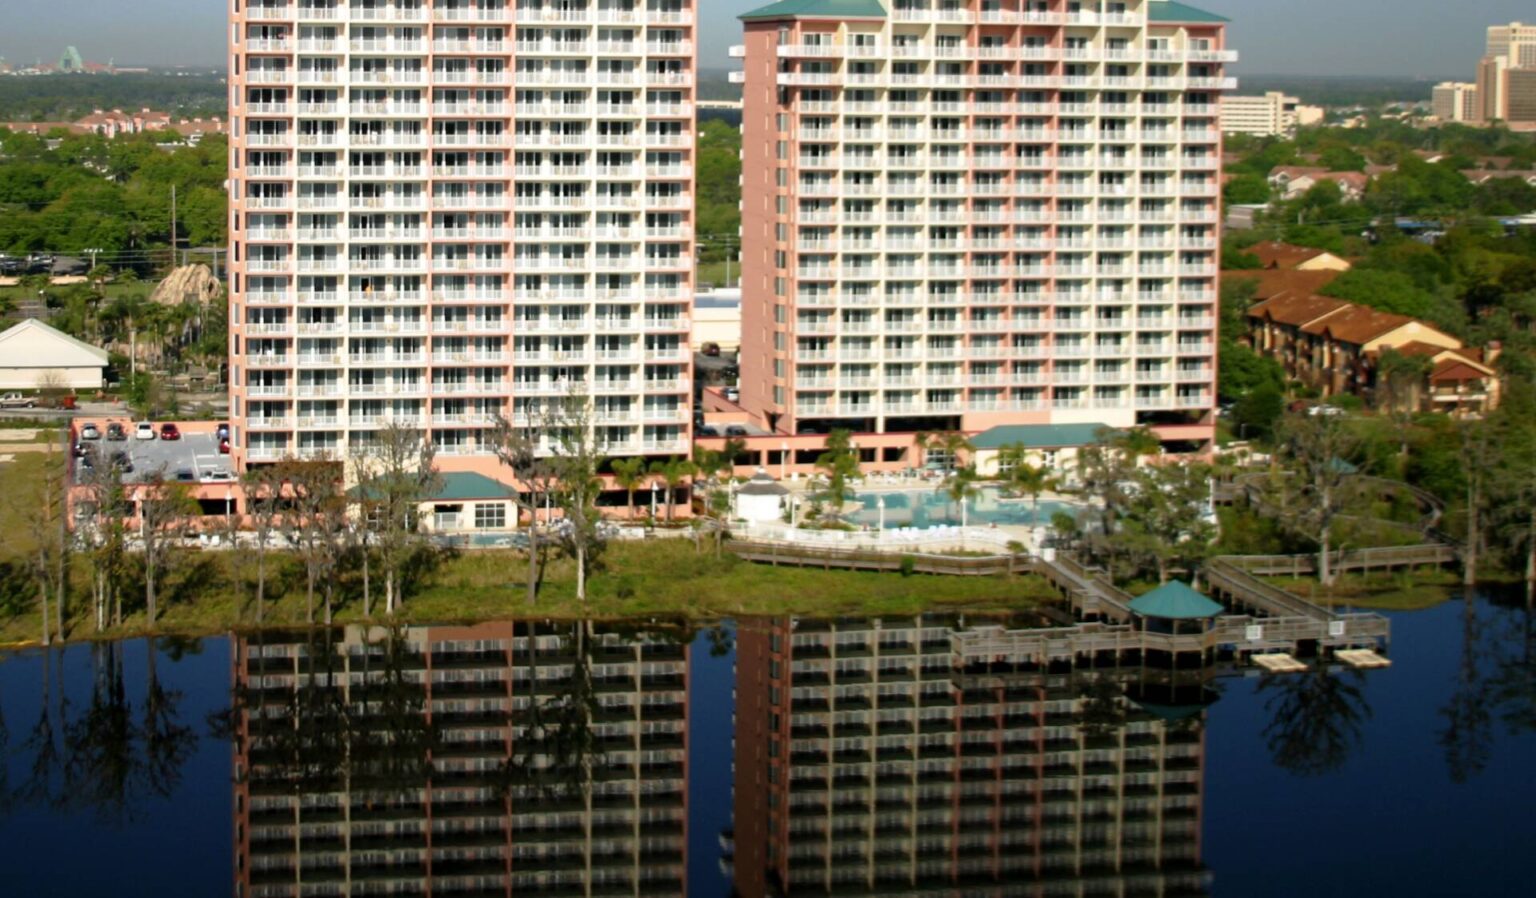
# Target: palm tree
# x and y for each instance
(674, 471)
(960, 487)
(1030, 480)
(630, 474)
(951, 444)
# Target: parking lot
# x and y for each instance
(195, 458)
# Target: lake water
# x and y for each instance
(868, 758)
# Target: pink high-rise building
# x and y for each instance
(965, 213)
(443, 211)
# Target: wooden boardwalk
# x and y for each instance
(1264, 619)
(786, 555)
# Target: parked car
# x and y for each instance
(88, 431)
(116, 432)
(16, 400)
(224, 446)
(735, 430)
(81, 450)
(711, 349)
(185, 475)
(122, 462)
(168, 431)
(222, 432)
(144, 431)
(706, 431)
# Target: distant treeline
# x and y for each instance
(65, 98)
(715, 85)
(1338, 90)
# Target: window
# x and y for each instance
(490, 516)
(446, 517)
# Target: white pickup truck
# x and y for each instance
(16, 400)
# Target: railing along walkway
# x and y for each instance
(827, 558)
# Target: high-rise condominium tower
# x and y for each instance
(965, 213)
(447, 210)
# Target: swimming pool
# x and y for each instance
(922, 508)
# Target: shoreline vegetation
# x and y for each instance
(664, 578)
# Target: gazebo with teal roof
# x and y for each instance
(1175, 607)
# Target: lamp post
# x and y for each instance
(653, 503)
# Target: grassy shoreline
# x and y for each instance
(657, 579)
(1400, 591)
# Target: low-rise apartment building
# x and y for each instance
(1336, 347)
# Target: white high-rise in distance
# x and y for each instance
(443, 211)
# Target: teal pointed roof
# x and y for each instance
(456, 486)
(830, 9)
(1173, 11)
(1039, 436)
(461, 485)
(1175, 600)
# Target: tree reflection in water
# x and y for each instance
(366, 733)
(1468, 733)
(1316, 719)
(109, 758)
(554, 744)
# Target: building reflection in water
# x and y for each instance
(914, 757)
(461, 761)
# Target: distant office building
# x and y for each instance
(1520, 96)
(1490, 88)
(965, 213)
(1272, 115)
(1515, 42)
(1456, 101)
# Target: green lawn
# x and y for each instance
(1401, 591)
(664, 578)
(113, 291)
(714, 273)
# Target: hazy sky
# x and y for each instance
(1429, 38)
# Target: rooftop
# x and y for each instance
(1175, 600)
(1274, 254)
(1173, 11)
(1040, 436)
(829, 9)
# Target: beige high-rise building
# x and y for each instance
(1515, 42)
(1520, 96)
(965, 213)
(1456, 101)
(1272, 115)
(444, 211)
